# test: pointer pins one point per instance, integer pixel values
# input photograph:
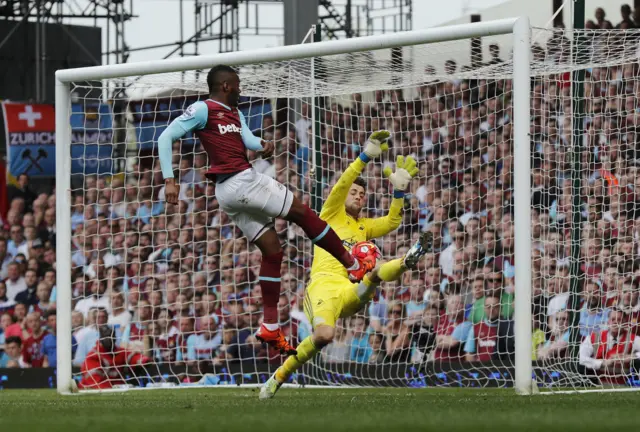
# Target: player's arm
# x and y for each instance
(194, 118)
(376, 144)
(406, 169)
(253, 142)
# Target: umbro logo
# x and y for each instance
(228, 129)
(220, 114)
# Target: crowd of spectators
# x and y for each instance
(179, 283)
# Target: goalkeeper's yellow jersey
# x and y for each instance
(349, 229)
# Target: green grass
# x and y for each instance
(305, 410)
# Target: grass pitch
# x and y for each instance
(306, 410)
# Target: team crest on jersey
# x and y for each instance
(190, 112)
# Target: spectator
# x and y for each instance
(203, 345)
(556, 345)
(32, 338)
(627, 22)
(493, 288)
(16, 241)
(22, 191)
(378, 355)
(119, 317)
(452, 331)
(360, 348)
(88, 336)
(5, 259)
(95, 299)
(12, 355)
(593, 316)
(492, 338)
(49, 346)
(19, 317)
(396, 335)
(424, 334)
(6, 304)
(29, 295)
(612, 352)
(15, 283)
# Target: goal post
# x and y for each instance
(519, 31)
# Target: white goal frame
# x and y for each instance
(518, 27)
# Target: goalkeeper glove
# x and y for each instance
(406, 169)
(376, 144)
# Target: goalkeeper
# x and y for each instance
(330, 294)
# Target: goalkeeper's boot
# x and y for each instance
(276, 340)
(270, 388)
(423, 246)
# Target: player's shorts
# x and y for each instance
(330, 297)
(252, 200)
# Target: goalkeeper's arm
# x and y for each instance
(376, 144)
(406, 169)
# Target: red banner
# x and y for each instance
(31, 138)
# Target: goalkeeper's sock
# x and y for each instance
(366, 289)
(324, 236)
(392, 270)
(306, 351)
(270, 286)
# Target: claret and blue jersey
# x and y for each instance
(223, 133)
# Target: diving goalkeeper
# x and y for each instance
(330, 294)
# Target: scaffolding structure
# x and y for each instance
(216, 26)
(225, 22)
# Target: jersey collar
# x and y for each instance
(220, 103)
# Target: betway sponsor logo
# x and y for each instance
(228, 129)
(487, 343)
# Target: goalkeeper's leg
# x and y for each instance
(323, 333)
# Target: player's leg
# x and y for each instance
(259, 230)
(256, 193)
(269, 278)
(307, 350)
(322, 304)
(319, 232)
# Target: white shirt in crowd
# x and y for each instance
(557, 303)
(15, 288)
(122, 320)
(87, 303)
(302, 131)
(446, 260)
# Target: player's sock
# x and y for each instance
(392, 270)
(324, 236)
(270, 286)
(306, 351)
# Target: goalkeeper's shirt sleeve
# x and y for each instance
(194, 118)
(335, 200)
(381, 226)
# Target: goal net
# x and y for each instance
(178, 284)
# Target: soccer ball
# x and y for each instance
(367, 252)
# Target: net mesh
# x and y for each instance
(179, 283)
